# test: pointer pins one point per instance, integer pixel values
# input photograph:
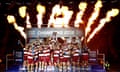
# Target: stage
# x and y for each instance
(91, 68)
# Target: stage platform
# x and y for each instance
(91, 68)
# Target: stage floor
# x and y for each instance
(91, 68)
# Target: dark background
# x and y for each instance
(107, 40)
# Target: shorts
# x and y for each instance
(75, 58)
(61, 59)
(41, 58)
(47, 59)
(85, 57)
(66, 59)
(25, 57)
(55, 59)
(30, 61)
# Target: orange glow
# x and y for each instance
(93, 17)
(11, 19)
(111, 13)
(28, 24)
(0, 60)
(22, 11)
(60, 17)
(82, 8)
(41, 11)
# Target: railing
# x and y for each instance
(9, 57)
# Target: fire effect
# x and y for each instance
(41, 11)
(28, 24)
(22, 11)
(82, 8)
(111, 13)
(11, 20)
(60, 16)
(93, 17)
(23, 14)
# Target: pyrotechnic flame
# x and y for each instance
(67, 15)
(63, 20)
(28, 24)
(93, 17)
(82, 8)
(111, 13)
(55, 11)
(22, 11)
(11, 20)
(41, 11)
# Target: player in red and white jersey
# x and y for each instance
(74, 41)
(30, 58)
(47, 55)
(66, 57)
(60, 59)
(25, 50)
(75, 54)
(36, 56)
(25, 53)
(66, 54)
(41, 57)
(56, 54)
(61, 55)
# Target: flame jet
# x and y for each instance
(23, 14)
(82, 8)
(41, 11)
(22, 11)
(111, 13)
(93, 17)
(11, 20)
(60, 16)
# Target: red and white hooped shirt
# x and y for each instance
(25, 53)
(75, 54)
(56, 55)
(66, 55)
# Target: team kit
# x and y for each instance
(54, 55)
